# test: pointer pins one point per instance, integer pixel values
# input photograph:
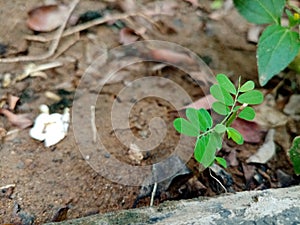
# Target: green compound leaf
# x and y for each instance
(185, 127)
(294, 153)
(220, 128)
(221, 161)
(220, 108)
(225, 83)
(235, 135)
(205, 120)
(248, 86)
(252, 97)
(260, 11)
(248, 113)
(277, 47)
(221, 94)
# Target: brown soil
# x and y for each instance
(49, 179)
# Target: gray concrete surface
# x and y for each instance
(274, 206)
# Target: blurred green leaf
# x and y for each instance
(221, 94)
(235, 135)
(220, 128)
(277, 47)
(225, 83)
(221, 161)
(185, 127)
(248, 86)
(248, 113)
(260, 11)
(294, 153)
(252, 97)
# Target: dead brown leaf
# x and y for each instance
(249, 171)
(266, 151)
(251, 131)
(12, 101)
(204, 102)
(46, 18)
(127, 36)
(166, 55)
(19, 120)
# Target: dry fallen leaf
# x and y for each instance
(166, 55)
(204, 102)
(232, 158)
(127, 36)
(19, 120)
(266, 151)
(269, 117)
(293, 106)
(46, 18)
(254, 33)
(12, 101)
(249, 171)
(251, 131)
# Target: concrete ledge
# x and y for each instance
(273, 206)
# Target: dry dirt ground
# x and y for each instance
(52, 184)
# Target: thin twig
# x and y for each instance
(7, 186)
(53, 46)
(90, 24)
(68, 45)
(153, 194)
(93, 123)
(216, 179)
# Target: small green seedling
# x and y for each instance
(278, 45)
(231, 103)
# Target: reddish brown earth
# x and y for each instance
(49, 179)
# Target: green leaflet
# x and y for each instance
(252, 97)
(221, 94)
(220, 108)
(235, 135)
(221, 161)
(248, 113)
(225, 83)
(185, 127)
(205, 120)
(193, 116)
(220, 128)
(248, 86)
(200, 147)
